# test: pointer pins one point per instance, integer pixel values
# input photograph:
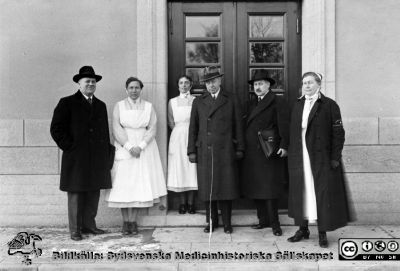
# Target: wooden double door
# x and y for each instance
(239, 37)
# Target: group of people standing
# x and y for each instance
(214, 150)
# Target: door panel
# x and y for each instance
(269, 40)
(198, 37)
(239, 37)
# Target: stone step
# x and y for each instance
(173, 218)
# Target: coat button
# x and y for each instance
(208, 133)
(91, 130)
(209, 119)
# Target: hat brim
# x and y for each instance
(270, 80)
(211, 78)
(78, 77)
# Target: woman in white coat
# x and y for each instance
(182, 175)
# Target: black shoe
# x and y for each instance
(259, 226)
(207, 228)
(182, 209)
(300, 234)
(125, 228)
(76, 236)
(228, 229)
(93, 231)
(191, 209)
(277, 231)
(323, 240)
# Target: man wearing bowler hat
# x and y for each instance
(80, 129)
(262, 177)
(215, 143)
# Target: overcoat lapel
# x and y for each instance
(83, 103)
(220, 101)
(264, 103)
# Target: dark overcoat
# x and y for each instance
(215, 134)
(324, 141)
(263, 178)
(81, 132)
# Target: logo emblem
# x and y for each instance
(392, 246)
(380, 246)
(367, 246)
(25, 244)
(349, 249)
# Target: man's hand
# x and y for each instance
(334, 164)
(239, 155)
(135, 151)
(193, 158)
(282, 152)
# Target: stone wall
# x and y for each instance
(30, 166)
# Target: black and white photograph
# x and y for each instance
(199, 135)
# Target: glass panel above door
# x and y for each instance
(202, 26)
(266, 27)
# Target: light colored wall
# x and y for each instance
(44, 43)
(368, 57)
(367, 80)
(354, 44)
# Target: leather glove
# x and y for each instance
(239, 155)
(193, 158)
(334, 164)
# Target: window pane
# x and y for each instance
(196, 74)
(202, 26)
(266, 27)
(266, 52)
(276, 74)
(202, 52)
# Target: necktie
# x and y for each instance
(90, 100)
(259, 100)
(214, 97)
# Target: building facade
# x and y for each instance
(44, 43)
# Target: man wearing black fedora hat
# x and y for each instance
(80, 128)
(215, 143)
(262, 177)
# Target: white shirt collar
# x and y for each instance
(262, 97)
(137, 101)
(184, 95)
(86, 97)
(316, 95)
(313, 97)
(216, 93)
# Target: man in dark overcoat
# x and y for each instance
(324, 140)
(215, 142)
(80, 128)
(262, 178)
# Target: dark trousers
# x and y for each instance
(82, 210)
(226, 211)
(267, 212)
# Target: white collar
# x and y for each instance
(317, 95)
(184, 95)
(86, 97)
(262, 97)
(216, 93)
(131, 101)
(313, 97)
